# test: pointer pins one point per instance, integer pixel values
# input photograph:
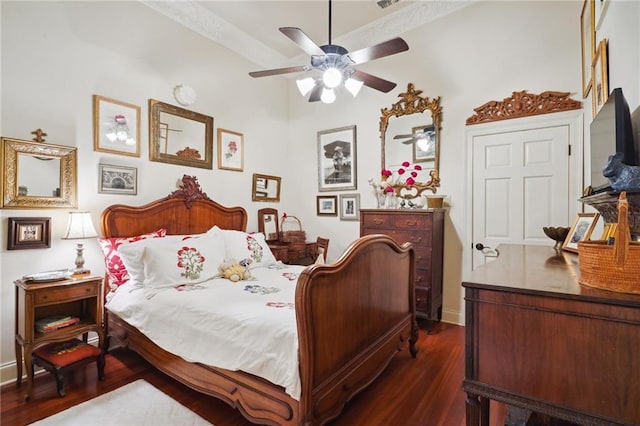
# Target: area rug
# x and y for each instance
(136, 404)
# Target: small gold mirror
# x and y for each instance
(268, 223)
(38, 175)
(410, 132)
(180, 136)
(265, 188)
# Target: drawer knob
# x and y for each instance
(412, 222)
(378, 221)
(416, 239)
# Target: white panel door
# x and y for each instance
(520, 184)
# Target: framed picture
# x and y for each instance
(29, 233)
(350, 207)
(337, 159)
(230, 150)
(600, 11)
(116, 127)
(424, 147)
(588, 39)
(327, 205)
(580, 230)
(600, 72)
(117, 179)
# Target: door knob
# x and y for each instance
(487, 251)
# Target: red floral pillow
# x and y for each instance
(116, 271)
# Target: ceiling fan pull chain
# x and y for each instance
(329, 21)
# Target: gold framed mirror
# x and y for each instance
(38, 175)
(265, 188)
(180, 136)
(268, 223)
(410, 133)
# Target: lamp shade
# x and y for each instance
(79, 226)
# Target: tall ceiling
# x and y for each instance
(250, 28)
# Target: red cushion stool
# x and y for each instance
(56, 357)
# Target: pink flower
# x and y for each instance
(386, 172)
(400, 172)
(388, 189)
(406, 164)
(410, 181)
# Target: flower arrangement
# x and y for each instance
(385, 189)
(405, 168)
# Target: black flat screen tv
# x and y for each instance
(611, 132)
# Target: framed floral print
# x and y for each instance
(588, 43)
(116, 127)
(337, 159)
(230, 150)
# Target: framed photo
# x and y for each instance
(588, 43)
(230, 150)
(337, 159)
(327, 205)
(350, 207)
(600, 11)
(424, 147)
(29, 233)
(117, 179)
(116, 127)
(600, 72)
(580, 230)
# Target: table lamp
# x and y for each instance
(80, 227)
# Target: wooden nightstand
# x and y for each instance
(80, 298)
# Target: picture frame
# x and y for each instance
(580, 230)
(600, 72)
(117, 179)
(601, 7)
(116, 126)
(424, 147)
(337, 159)
(349, 206)
(588, 40)
(327, 205)
(29, 233)
(230, 150)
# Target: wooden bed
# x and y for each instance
(352, 316)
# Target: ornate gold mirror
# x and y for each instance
(38, 175)
(180, 136)
(268, 223)
(265, 188)
(410, 133)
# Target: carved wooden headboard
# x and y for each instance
(187, 210)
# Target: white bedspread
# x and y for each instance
(247, 325)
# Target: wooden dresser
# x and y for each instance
(425, 229)
(537, 339)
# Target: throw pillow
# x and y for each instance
(250, 248)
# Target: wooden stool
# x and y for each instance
(57, 357)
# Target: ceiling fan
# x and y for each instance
(335, 65)
(422, 136)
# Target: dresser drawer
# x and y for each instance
(423, 257)
(422, 300)
(411, 222)
(65, 293)
(423, 278)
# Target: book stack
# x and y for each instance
(46, 324)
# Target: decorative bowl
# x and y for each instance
(556, 233)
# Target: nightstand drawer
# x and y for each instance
(65, 293)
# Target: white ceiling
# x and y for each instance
(250, 28)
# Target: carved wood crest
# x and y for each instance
(523, 104)
(189, 190)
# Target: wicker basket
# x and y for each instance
(291, 230)
(612, 267)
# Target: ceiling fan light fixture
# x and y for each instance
(305, 85)
(328, 96)
(332, 77)
(353, 86)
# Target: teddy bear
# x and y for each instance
(233, 271)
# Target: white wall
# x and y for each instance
(56, 55)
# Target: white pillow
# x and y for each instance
(139, 258)
(251, 248)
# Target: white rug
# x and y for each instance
(136, 404)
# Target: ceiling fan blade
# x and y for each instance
(301, 39)
(389, 47)
(402, 136)
(316, 92)
(373, 81)
(277, 71)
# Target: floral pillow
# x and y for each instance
(251, 248)
(175, 260)
(116, 271)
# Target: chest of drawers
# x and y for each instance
(425, 230)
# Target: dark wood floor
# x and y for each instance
(423, 392)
